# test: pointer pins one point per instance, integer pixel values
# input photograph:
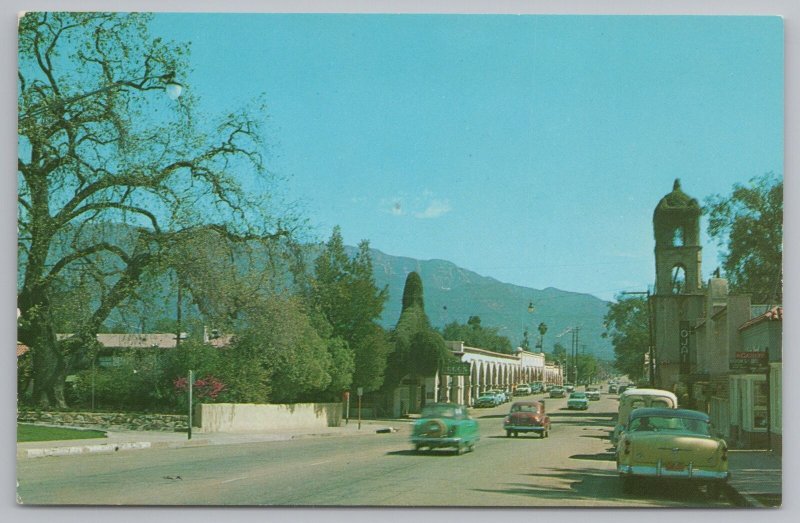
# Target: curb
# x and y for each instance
(110, 448)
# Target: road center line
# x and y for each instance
(233, 479)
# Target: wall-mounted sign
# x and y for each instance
(683, 347)
(458, 368)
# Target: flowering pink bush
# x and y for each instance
(208, 387)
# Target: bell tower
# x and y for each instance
(676, 224)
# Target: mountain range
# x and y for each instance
(455, 294)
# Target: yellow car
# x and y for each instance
(671, 444)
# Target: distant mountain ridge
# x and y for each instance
(455, 294)
(451, 294)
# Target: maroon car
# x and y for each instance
(527, 416)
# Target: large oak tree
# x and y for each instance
(99, 145)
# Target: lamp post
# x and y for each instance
(651, 350)
(542, 331)
(171, 87)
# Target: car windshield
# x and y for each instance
(671, 424)
(524, 408)
(439, 411)
(577, 396)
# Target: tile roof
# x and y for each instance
(773, 314)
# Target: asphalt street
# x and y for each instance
(574, 467)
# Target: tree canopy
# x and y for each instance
(627, 325)
(476, 335)
(344, 291)
(100, 145)
(748, 223)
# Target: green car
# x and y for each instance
(445, 425)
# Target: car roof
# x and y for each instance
(673, 413)
(648, 392)
(526, 403)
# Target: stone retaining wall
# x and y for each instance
(108, 420)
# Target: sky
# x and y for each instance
(532, 149)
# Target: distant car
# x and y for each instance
(593, 394)
(537, 387)
(527, 416)
(522, 390)
(445, 425)
(569, 387)
(671, 444)
(487, 400)
(557, 392)
(502, 396)
(622, 388)
(578, 400)
(612, 388)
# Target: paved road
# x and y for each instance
(574, 467)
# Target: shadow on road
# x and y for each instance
(529, 435)
(591, 486)
(441, 453)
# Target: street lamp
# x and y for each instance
(172, 88)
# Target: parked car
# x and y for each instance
(522, 390)
(578, 400)
(537, 387)
(502, 396)
(487, 400)
(445, 425)
(612, 388)
(527, 416)
(672, 444)
(632, 399)
(569, 387)
(557, 392)
(593, 394)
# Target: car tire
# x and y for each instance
(543, 434)
(508, 433)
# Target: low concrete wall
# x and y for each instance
(251, 417)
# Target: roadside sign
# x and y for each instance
(457, 368)
(361, 391)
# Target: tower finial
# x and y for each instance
(677, 185)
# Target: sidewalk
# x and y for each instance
(756, 478)
(121, 440)
(756, 475)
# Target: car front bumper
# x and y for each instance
(659, 471)
(424, 441)
(578, 406)
(524, 428)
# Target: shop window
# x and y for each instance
(760, 395)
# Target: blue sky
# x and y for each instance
(532, 149)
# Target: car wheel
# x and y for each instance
(508, 433)
(542, 434)
(417, 448)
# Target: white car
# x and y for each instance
(522, 390)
